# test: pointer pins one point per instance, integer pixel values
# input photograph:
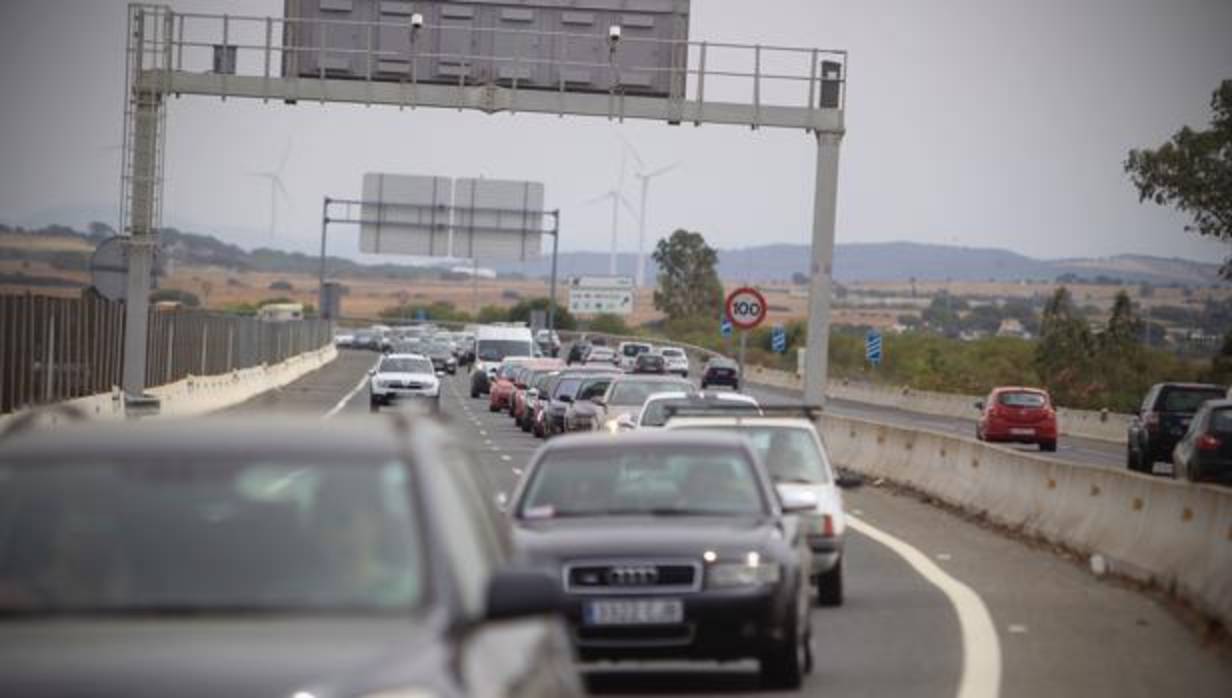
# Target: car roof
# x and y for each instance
(1018, 389)
(739, 421)
(646, 378)
(703, 396)
(1194, 386)
(636, 439)
(217, 437)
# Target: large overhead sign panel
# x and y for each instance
(632, 46)
(497, 219)
(405, 214)
(594, 295)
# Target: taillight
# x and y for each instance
(825, 526)
(1208, 442)
(1152, 420)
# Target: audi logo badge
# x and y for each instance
(641, 575)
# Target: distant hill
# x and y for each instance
(891, 261)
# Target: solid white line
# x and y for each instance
(363, 382)
(981, 674)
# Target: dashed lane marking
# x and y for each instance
(347, 398)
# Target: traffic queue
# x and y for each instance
(681, 523)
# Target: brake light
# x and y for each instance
(1208, 442)
(1152, 420)
(825, 526)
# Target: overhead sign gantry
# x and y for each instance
(594, 58)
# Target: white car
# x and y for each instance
(600, 355)
(657, 410)
(344, 340)
(493, 344)
(797, 460)
(675, 361)
(403, 377)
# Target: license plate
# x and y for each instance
(1022, 432)
(634, 612)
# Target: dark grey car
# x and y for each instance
(263, 558)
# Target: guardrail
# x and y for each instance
(1174, 535)
(58, 349)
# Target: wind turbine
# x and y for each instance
(274, 178)
(618, 199)
(645, 178)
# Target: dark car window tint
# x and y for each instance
(189, 535)
(790, 454)
(1022, 399)
(1188, 400)
(567, 386)
(1221, 421)
(660, 480)
(498, 349)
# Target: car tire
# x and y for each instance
(492, 407)
(1048, 446)
(783, 669)
(474, 393)
(830, 586)
(374, 405)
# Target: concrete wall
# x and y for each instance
(1175, 535)
(196, 395)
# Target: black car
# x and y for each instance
(721, 371)
(577, 353)
(650, 363)
(443, 360)
(1163, 419)
(670, 545)
(1205, 452)
(242, 557)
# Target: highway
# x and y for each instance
(936, 605)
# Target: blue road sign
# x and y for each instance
(421, 314)
(872, 347)
(778, 340)
(725, 327)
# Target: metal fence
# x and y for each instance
(54, 349)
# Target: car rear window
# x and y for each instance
(634, 393)
(1188, 399)
(1221, 421)
(1022, 399)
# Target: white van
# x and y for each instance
(629, 351)
(493, 345)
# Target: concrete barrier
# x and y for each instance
(1175, 535)
(194, 395)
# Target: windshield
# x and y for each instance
(1221, 421)
(499, 349)
(253, 536)
(659, 480)
(406, 366)
(672, 353)
(566, 386)
(634, 393)
(1189, 399)
(1022, 399)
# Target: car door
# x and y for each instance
(1137, 430)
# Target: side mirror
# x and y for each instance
(371, 372)
(795, 501)
(501, 500)
(849, 481)
(979, 405)
(522, 593)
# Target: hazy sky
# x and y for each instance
(998, 123)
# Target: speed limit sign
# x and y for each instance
(746, 308)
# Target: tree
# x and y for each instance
(281, 285)
(1063, 356)
(1193, 173)
(689, 284)
(1221, 363)
(492, 313)
(521, 313)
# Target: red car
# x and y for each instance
(1018, 415)
(500, 392)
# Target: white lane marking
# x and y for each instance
(981, 673)
(1017, 629)
(363, 382)
(943, 556)
(482, 432)
(506, 457)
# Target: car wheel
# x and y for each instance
(784, 668)
(704, 385)
(374, 405)
(474, 393)
(1131, 459)
(525, 425)
(830, 586)
(1048, 446)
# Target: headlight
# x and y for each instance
(751, 572)
(378, 384)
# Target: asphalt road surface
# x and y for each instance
(934, 603)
